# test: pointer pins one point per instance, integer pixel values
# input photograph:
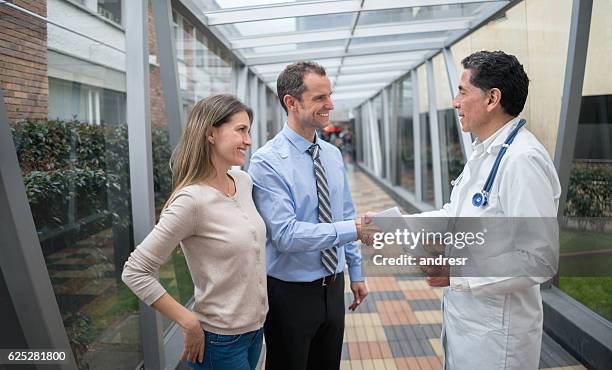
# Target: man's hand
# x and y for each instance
(366, 229)
(360, 291)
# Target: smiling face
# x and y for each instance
(312, 110)
(471, 104)
(231, 140)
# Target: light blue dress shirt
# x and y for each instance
(285, 193)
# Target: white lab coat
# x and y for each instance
(494, 322)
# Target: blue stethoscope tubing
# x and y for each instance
(481, 199)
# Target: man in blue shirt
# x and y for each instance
(301, 191)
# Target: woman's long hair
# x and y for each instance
(191, 160)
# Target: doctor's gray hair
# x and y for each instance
(291, 80)
(496, 69)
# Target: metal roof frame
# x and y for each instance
(313, 8)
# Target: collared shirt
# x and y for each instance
(285, 193)
(526, 185)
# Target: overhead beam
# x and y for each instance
(409, 45)
(316, 55)
(399, 67)
(354, 61)
(379, 76)
(398, 28)
(375, 58)
(276, 11)
(366, 86)
(333, 72)
(377, 67)
(352, 95)
(272, 74)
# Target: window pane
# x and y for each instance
(285, 25)
(377, 105)
(174, 274)
(406, 146)
(202, 69)
(70, 134)
(110, 9)
(358, 134)
(426, 154)
(586, 241)
(451, 157)
(423, 13)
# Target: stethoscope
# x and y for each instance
(481, 199)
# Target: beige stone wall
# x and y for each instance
(444, 98)
(597, 75)
(537, 33)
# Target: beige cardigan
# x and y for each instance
(223, 239)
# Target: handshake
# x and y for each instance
(436, 276)
(366, 229)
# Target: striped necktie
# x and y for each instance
(329, 257)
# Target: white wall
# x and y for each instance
(73, 53)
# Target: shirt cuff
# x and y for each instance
(355, 273)
(346, 231)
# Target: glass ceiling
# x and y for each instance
(363, 44)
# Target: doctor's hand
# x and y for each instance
(360, 291)
(436, 281)
(437, 276)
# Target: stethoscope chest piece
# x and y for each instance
(479, 199)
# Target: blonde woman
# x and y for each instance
(211, 214)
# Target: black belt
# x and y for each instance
(324, 281)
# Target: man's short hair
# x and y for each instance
(496, 69)
(291, 79)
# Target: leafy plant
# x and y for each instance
(589, 195)
(78, 173)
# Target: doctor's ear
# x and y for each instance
(494, 98)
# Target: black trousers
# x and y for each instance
(305, 325)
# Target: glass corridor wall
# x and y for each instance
(540, 32)
(65, 92)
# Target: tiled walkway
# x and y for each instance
(398, 325)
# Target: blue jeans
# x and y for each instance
(230, 352)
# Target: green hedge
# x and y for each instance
(74, 172)
(590, 191)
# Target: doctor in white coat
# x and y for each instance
(492, 322)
